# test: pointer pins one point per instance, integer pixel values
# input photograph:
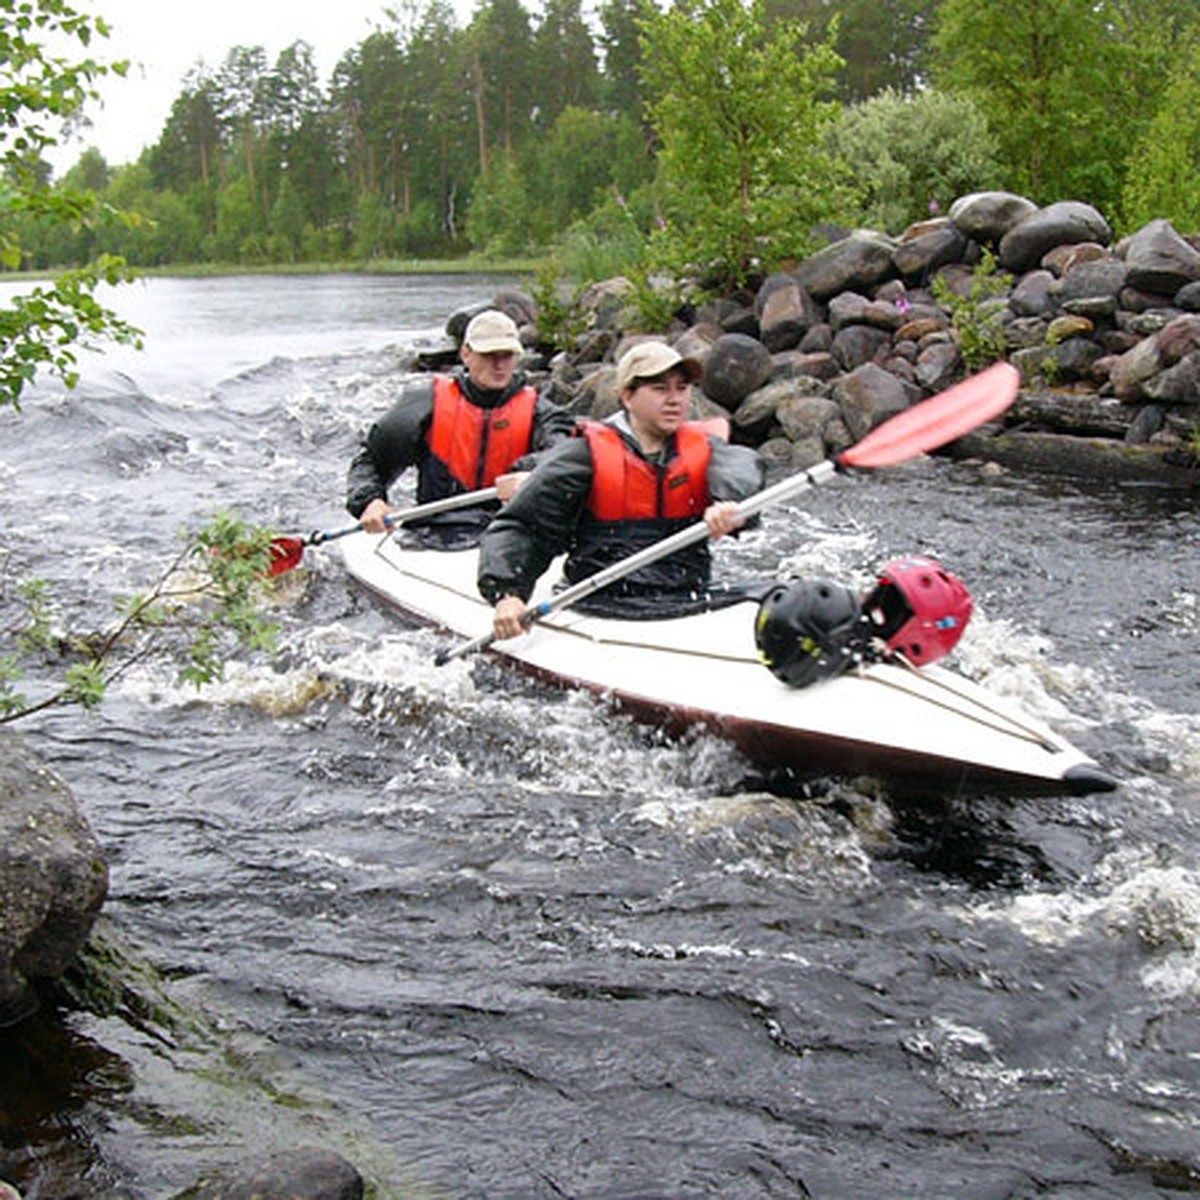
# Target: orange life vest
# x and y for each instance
(625, 487)
(477, 444)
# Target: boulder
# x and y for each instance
(1066, 223)
(302, 1174)
(1159, 260)
(737, 365)
(785, 312)
(987, 216)
(856, 263)
(53, 878)
(867, 396)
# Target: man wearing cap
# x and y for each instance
(472, 429)
(623, 484)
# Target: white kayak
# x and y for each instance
(929, 728)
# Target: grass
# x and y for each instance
(471, 265)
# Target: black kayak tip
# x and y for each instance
(1086, 778)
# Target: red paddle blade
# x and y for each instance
(286, 554)
(938, 420)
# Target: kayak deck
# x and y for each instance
(927, 727)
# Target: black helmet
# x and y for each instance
(809, 629)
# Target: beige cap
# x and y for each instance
(491, 332)
(648, 360)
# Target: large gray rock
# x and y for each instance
(1101, 277)
(987, 216)
(855, 264)
(53, 877)
(1159, 260)
(867, 396)
(302, 1174)
(785, 312)
(737, 365)
(923, 248)
(1061, 224)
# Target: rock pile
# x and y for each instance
(1107, 338)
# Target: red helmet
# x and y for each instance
(918, 608)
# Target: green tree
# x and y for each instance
(43, 329)
(442, 148)
(173, 226)
(1050, 75)
(499, 218)
(740, 110)
(366, 91)
(620, 42)
(1161, 177)
(500, 71)
(189, 156)
(882, 43)
(911, 155)
(242, 86)
(565, 52)
(586, 157)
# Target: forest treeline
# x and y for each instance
(712, 131)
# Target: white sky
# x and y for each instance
(164, 39)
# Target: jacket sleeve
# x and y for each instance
(392, 445)
(552, 424)
(735, 472)
(537, 524)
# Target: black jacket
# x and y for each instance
(543, 521)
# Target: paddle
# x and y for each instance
(287, 552)
(917, 430)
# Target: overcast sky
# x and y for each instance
(163, 39)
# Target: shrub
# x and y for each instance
(911, 154)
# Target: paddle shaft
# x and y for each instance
(408, 515)
(916, 430)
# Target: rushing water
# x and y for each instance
(491, 941)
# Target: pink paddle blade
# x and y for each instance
(938, 420)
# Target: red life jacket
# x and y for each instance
(476, 444)
(625, 487)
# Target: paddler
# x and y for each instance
(474, 428)
(619, 486)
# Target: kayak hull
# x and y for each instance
(929, 728)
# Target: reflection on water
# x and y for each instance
(532, 949)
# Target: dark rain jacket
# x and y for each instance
(400, 439)
(550, 516)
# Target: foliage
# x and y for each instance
(1161, 175)
(977, 316)
(47, 326)
(559, 320)
(912, 155)
(882, 43)
(39, 91)
(206, 602)
(499, 218)
(607, 242)
(739, 108)
(433, 138)
(655, 303)
(1065, 85)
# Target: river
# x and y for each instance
(491, 941)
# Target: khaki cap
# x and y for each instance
(648, 360)
(491, 332)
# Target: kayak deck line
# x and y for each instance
(926, 724)
(1011, 724)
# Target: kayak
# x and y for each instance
(927, 728)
